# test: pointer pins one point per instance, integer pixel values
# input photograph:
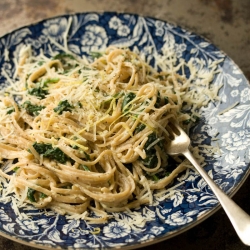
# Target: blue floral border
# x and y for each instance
(190, 202)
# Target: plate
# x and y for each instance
(191, 201)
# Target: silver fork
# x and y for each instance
(240, 220)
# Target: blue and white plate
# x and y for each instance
(192, 201)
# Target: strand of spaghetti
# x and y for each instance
(168, 179)
(9, 152)
(42, 171)
(127, 186)
(63, 208)
(25, 183)
(17, 140)
(19, 130)
(67, 173)
(41, 71)
(68, 151)
(153, 170)
(130, 205)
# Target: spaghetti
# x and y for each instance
(91, 136)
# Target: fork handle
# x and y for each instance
(238, 217)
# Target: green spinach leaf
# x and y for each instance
(126, 100)
(139, 128)
(10, 110)
(63, 106)
(84, 167)
(150, 161)
(63, 56)
(30, 194)
(39, 92)
(53, 153)
(32, 109)
(95, 54)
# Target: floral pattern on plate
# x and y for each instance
(191, 200)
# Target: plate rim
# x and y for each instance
(176, 232)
